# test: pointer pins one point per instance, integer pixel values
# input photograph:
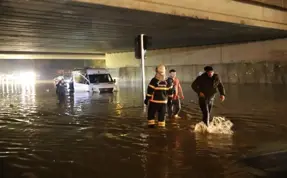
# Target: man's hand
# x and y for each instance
(201, 94)
(222, 98)
(169, 102)
(182, 97)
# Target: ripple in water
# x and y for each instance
(218, 125)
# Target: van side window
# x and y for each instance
(100, 78)
(80, 79)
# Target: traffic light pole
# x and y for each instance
(143, 66)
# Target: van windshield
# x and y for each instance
(100, 78)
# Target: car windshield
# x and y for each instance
(100, 78)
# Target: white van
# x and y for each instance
(93, 80)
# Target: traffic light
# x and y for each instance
(138, 47)
(146, 45)
(147, 42)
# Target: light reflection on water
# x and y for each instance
(105, 135)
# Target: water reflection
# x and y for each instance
(21, 96)
(214, 141)
(157, 155)
(105, 135)
(28, 94)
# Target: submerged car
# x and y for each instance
(93, 80)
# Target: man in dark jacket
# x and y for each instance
(206, 86)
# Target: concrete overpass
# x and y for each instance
(93, 26)
(89, 29)
(245, 12)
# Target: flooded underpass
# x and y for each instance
(106, 135)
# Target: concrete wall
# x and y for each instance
(260, 62)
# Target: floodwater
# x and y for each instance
(105, 135)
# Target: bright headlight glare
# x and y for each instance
(27, 77)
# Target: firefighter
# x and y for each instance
(159, 94)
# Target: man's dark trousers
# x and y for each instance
(205, 105)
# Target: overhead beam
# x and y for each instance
(220, 10)
(45, 55)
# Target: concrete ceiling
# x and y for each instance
(65, 26)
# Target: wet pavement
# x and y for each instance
(105, 135)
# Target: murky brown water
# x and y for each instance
(105, 135)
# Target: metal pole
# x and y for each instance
(143, 67)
